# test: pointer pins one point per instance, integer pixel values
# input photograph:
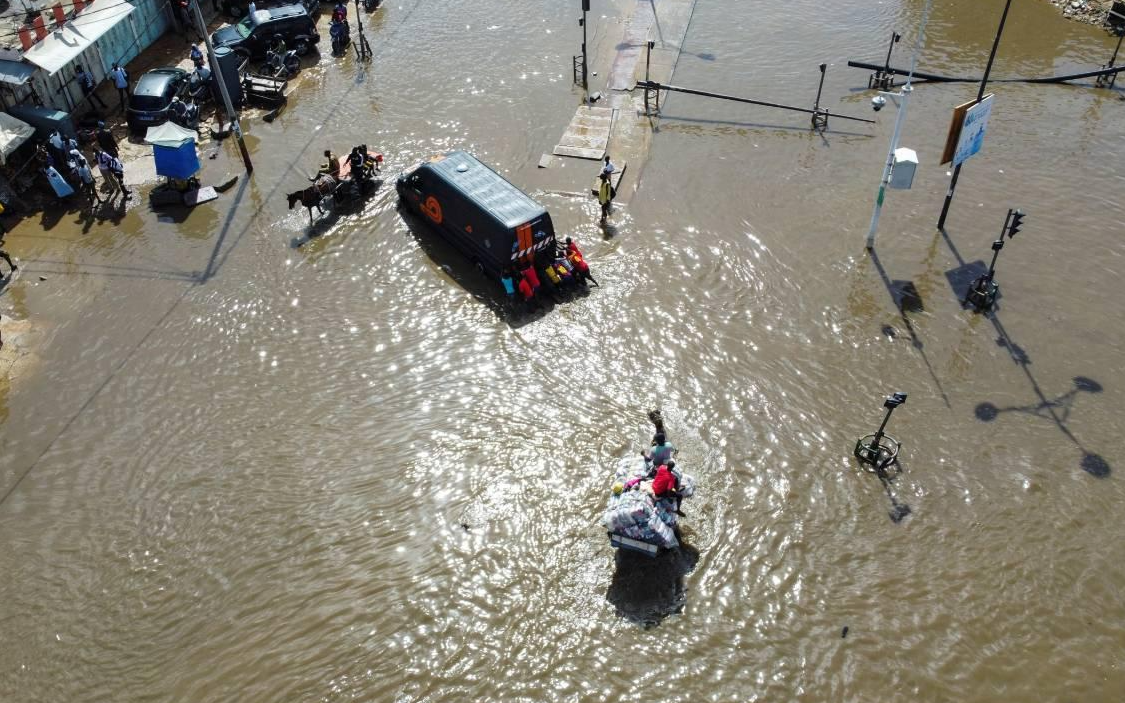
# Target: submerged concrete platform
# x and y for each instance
(628, 136)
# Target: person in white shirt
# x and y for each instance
(608, 167)
(121, 80)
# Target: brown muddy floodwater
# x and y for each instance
(247, 467)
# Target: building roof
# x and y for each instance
(15, 72)
(13, 133)
(59, 48)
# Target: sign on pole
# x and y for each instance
(966, 130)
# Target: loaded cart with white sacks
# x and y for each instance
(645, 499)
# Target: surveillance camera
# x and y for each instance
(878, 102)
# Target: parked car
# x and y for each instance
(492, 222)
(252, 36)
(152, 96)
(238, 8)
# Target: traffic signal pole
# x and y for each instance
(980, 96)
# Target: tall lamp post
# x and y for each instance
(905, 95)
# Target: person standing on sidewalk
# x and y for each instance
(121, 81)
(87, 82)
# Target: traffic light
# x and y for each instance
(585, 5)
(1017, 222)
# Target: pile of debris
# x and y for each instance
(1088, 11)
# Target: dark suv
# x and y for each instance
(148, 105)
(253, 35)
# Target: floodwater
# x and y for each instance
(249, 467)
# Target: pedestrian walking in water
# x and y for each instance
(605, 195)
(121, 81)
(5, 257)
(106, 140)
(88, 85)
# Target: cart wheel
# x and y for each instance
(302, 47)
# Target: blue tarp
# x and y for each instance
(176, 162)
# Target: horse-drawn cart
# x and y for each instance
(263, 89)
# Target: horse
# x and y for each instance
(310, 197)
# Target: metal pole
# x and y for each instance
(995, 255)
(1120, 36)
(906, 90)
(816, 103)
(359, 28)
(895, 36)
(980, 96)
(677, 89)
(217, 74)
(648, 62)
(585, 81)
(879, 432)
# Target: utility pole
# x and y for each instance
(217, 74)
(980, 96)
(906, 90)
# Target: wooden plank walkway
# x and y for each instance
(587, 135)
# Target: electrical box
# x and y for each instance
(902, 174)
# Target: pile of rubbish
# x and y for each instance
(646, 522)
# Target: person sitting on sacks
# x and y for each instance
(666, 484)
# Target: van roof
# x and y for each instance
(507, 203)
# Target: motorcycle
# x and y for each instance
(199, 84)
(341, 36)
(185, 114)
(281, 63)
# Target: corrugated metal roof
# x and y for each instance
(503, 200)
(60, 47)
(16, 72)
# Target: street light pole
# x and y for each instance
(906, 90)
(980, 96)
(217, 74)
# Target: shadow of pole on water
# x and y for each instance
(907, 299)
(645, 589)
(1056, 409)
(887, 476)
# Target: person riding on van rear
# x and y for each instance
(532, 278)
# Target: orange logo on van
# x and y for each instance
(432, 209)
